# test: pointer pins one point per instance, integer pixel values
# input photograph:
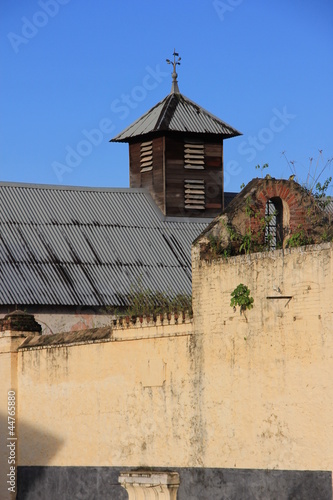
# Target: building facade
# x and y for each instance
(70, 255)
(231, 403)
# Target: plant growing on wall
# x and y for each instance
(143, 301)
(216, 247)
(241, 297)
(315, 171)
(261, 168)
(259, 231)
(247, 242)
(298, 238)
(320, 193)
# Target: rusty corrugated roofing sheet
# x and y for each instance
(88, 246)
(177, 113)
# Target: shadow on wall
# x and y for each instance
(40, 481)
(31, 437)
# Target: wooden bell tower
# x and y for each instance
(176, 152)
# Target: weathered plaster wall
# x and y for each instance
(131, 399)
(14, 329)
(253, 393)
(267, 380)
(226, 392)
(6, 362)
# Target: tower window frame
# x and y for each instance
(274, 223)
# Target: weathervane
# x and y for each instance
(174, 88)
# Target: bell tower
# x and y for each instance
(176, 152)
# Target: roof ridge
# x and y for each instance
(164, 110)
(60, 187)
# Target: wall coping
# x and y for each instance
(275, 254)
(122, 329)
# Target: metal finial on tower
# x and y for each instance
(174, 88)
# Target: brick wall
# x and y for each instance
(298, 211)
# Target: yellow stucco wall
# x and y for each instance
(269, 379)
(124, 402)
(9, 343)
(5, 377)
(223, 391)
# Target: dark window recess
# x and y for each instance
(194, 156)
(274, 228)
(194, 194)
(146, 156)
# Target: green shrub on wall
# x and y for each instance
(241, 297)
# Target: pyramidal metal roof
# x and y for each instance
(88, 246)
(177, 113)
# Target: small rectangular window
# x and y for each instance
(274, 223)
(194, 194)
(146, 156)
(194, 156)
(271, 226)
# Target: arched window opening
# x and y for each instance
(274, 223)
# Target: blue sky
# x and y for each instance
(74, 74)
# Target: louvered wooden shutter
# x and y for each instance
(194, 156)
(194, 194)
(146, 156)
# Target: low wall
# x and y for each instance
(125, 397)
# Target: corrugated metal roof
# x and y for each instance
(88, 246)
(177, 113)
